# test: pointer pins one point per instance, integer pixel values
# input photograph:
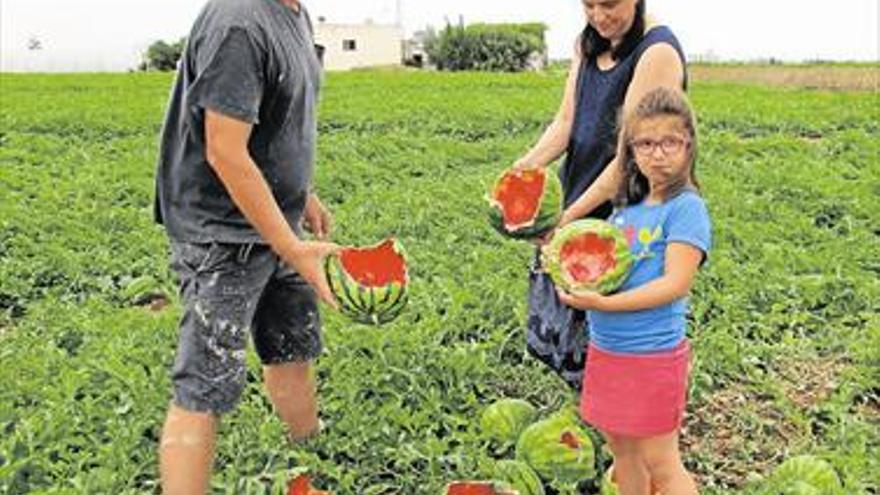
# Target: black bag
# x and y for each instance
(555, 333)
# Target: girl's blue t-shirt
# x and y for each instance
(649, 228)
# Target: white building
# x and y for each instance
(348, 46)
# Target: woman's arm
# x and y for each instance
(554, 141)
(660, 66)
(682, 262)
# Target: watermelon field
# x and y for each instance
(785, 317)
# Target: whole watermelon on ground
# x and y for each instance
(608, 486)
(588, 255)
(558, 448)
(520, 476)
(799, 474)
(527, 203)
(505, 419)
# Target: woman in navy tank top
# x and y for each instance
(621, 55)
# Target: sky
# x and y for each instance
(111, 35)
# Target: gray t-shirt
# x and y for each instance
(253, 60)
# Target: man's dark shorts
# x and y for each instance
(230, 291)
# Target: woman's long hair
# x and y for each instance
(660, 101)
(593, 44)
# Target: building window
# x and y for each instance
(349, 45)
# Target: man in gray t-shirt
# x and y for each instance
(233, 187)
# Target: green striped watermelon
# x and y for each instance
(519, 476)
(588, 255)
(526, 203)
(558, 448)
(505, 419)
(369, 283)
(805, 474)
(608, 486)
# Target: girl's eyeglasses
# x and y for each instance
(669, 145)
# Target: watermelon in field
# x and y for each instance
(478, 488)
(520, 476)
(526, 203)
(805, 475)
(558, 448)
(588, 255)
(302, 485)
(505, 419)
(369, 283)
(608, 486)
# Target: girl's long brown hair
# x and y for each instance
(660, 101)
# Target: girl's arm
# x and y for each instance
(682, 262)
(554, 141)
(660, 66)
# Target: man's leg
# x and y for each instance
(293, 391)
(220, 286)
(186, 451)
(287, 337)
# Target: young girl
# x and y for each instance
(635, 381)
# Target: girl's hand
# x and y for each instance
(582, 300)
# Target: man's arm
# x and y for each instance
(226, 142)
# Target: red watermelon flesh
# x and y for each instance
(569, 440)
(475, 488)
(375, 266)
(302, 485)
(587, 257)
(519, 194)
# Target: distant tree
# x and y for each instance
(163, 56)
(486, 47)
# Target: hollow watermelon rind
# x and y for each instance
(546, 217)
(368, 305)
(609, 281)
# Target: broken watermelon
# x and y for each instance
(477, 488)
(369, 283)
(526, 203)
(588, 255)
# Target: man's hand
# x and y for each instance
(316, 218)
(582, 300)
(307, 258)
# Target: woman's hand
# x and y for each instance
(582, 300)
(544, 239)
(524, 163)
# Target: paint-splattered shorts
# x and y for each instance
(230, 292)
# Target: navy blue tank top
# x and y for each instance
(599, 98)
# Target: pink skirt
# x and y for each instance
(637, 395)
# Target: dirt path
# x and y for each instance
(846, 78)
